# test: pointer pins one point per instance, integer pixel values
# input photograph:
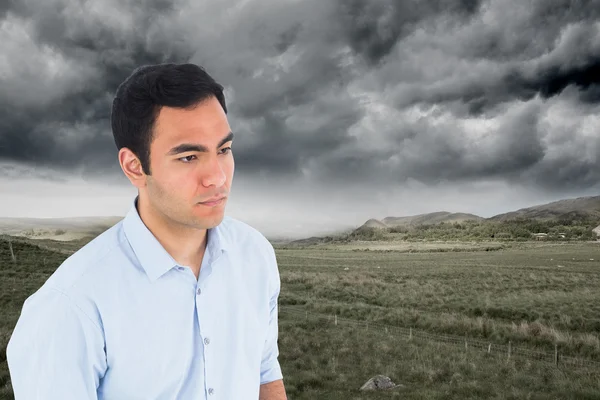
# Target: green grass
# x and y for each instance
(516, 292)
(17, 282)
(320, 361)
(537, 295)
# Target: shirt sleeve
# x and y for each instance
(56, 351)
(270, 369)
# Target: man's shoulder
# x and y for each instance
(81, 266)
(80, 275)
(240, 233)
(252, 246)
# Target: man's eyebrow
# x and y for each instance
(185, 147)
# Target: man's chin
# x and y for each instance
(208, 222)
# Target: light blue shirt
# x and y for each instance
(121, 320)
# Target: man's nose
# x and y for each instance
(213, 174)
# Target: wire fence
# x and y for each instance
(508, 350)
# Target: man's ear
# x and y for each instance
(132, 167)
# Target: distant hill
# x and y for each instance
(430, 219)
(307, 241)
(585, 209)
(63, 229)
(581, 207)
(375, 223)
(421, 219)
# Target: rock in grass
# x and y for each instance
(379, 382)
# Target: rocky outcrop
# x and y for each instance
(380, 382)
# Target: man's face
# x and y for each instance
(191, 162)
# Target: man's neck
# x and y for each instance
(186, 246)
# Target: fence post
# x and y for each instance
(410, 334)
(556, 354)
(489, 348)
(465, 344)
(333, 364)
(336, 319)
(307, 315)
(509, 345)
(12, 254)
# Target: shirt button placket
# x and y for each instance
(211, 391)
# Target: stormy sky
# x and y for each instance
(343, 110)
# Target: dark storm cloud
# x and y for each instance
(287, 38)
(424, 152)
(478, 96)
(529, 31)
(553, 80)
(289, 140)
(522, 147)
(382, 92)
(374, 28)
(72, 126)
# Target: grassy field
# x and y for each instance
(535, 295)
(320, 361)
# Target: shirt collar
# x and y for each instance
(152, 255)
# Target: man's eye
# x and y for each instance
(185, 159)
(225, 150)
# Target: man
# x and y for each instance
(176, 301)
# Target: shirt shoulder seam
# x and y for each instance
(74, 304)
(107, 252)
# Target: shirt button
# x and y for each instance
(206, 341)
(198, 291)
(211, 391)
(180, 268)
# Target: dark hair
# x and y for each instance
(140, 97)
